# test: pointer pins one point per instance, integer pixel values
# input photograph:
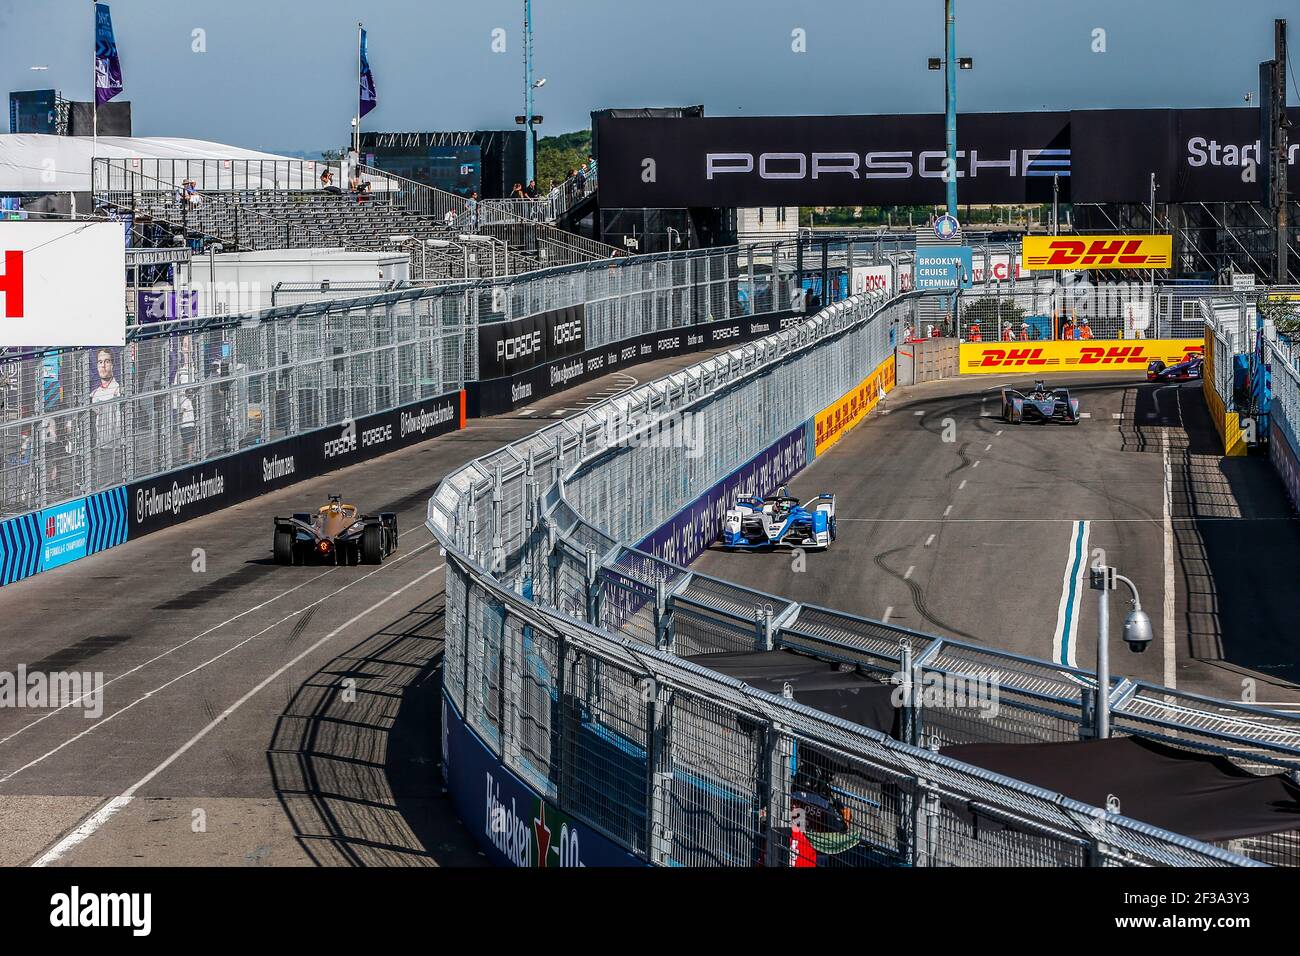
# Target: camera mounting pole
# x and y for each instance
(1137, 634)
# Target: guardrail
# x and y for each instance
(558, 641)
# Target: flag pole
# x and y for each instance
(94, 97)
(356, 128)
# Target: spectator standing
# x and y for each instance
(1085, 332)
(471, 211)
(531, 189)
(1067, 329)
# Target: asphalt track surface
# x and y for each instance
(254, 715)
(970, 537)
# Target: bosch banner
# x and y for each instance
(834, 421)
(508, 348)
(62, 284)
(828, 160)
(1096, 355)
(1042, 253)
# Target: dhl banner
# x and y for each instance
(1226, 423)
(833, 421)
(1093, 355)
(1097, 252)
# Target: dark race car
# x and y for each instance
(1040, 404)
(1187, 370)
(337, 533)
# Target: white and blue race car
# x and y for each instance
(755, 523)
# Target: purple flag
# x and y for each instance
(108, 69)
(368, 99)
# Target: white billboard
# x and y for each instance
(62, 283)
(872, 279)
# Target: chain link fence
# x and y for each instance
(684, 766)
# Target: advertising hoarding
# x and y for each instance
(62, 284)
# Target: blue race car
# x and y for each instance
(755, 523)
(1185, 371)
(1040, 404)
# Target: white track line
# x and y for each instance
(910, 569)
(170, 650)
(101, 816)
(947, 511)
(977, 463)
(962, 485)
(1069, 608)
(929, 540)
(194, 670)
(988, 446)
(1167, 622)
(888, 611)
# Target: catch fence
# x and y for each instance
(686, 766)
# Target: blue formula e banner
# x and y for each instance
(513, 823)
(64, 533)
(686, 535)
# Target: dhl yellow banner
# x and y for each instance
(833, 421)
(1094, 355)
(1040, 253)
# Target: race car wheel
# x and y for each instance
(284, 547)
(372, 545)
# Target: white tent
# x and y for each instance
(43, 163)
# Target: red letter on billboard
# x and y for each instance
(11, 284)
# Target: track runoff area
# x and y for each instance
(954, 522)
(251, 714)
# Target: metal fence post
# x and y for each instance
(498, 547)
(909, 728)
(512, 651)
(780, 819)
(659, 834)
(593, 594)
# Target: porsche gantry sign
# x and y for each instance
(1041, 253)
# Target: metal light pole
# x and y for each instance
(950, 101)
(1137, 634)
(529, 159)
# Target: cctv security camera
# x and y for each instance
(1137, 631)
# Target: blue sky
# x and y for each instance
(281, 76)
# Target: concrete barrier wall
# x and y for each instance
(927, 360)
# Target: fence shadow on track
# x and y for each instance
(1235, 538)
(354, 757)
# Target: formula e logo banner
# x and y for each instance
(686, 535)
(507, 348)
(1096, 355)
(62, 284)
(1041, 253)
(829, 160)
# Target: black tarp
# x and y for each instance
(1196, 794)
(844, 694)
